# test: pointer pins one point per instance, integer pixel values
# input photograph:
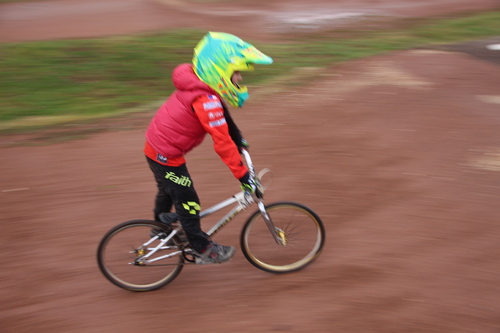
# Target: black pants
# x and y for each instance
(175, 187)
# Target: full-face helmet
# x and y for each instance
(218, 55)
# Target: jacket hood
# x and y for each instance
(184, 78)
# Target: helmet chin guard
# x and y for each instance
(218, 55)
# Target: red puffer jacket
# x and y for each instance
(182, 122)
(175, 129)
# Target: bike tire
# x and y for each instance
(120, 248)
(302, 228)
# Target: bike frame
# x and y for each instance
(243, 199)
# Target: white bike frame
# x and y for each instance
(243, 199)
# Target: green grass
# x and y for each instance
(96, 77)
(88, 77)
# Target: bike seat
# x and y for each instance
(168, 218)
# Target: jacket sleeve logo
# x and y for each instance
(212, 105)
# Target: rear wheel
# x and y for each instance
(121, 256)
(299, 226)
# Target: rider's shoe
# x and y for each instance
(214, 254)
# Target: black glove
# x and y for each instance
(243, 144)
(249, 185)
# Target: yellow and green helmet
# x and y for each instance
(218, 55)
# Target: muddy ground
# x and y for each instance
(399, 154)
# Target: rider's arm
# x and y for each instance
(210, 112)
(234, 131)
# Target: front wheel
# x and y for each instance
(300, 228)
(123, 256)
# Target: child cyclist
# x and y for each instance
(198, 106)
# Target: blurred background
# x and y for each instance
(382, 116)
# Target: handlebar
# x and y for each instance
(253, 175)
(248, 162)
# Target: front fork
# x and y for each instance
(278, 234)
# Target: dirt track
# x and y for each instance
(399, 154)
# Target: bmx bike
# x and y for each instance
(145, 255)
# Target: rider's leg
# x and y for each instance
(175, 186)
(163, 201)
